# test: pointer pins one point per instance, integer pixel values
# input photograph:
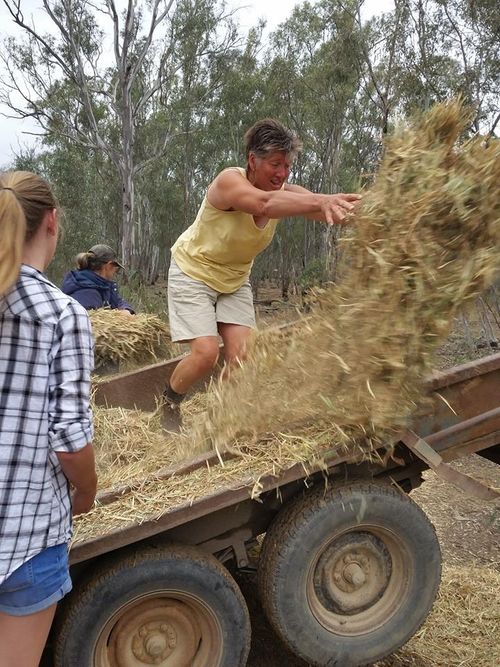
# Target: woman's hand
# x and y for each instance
(82, 501)
(336, 208)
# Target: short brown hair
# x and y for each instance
(269, 135)
(24, 199)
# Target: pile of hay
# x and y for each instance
(123, 340)
(149, 495)
(463, 627)
(425, 241)
(129, 445)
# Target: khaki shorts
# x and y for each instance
(195, 309)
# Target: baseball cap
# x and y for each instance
(105, 254)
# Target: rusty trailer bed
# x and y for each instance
(463, 418)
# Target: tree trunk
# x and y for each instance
(127, 173)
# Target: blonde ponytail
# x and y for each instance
(24, 200)
(12, 235)
(82, 260)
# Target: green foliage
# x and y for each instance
(146, 298)
(340, 83)
(314, 274)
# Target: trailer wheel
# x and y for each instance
(170, 607)
(346, 576)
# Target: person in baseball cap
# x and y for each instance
(104, 253)
(92, 283)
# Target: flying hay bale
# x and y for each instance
(129, 340)
(424, 242)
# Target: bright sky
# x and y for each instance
(14, 134)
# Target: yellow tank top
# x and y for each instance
(220, 246)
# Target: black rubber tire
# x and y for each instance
(84, 620)
(302, 546)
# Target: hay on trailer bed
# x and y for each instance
(153, 495)
(126, 340)
(128, 444)
(134, 460)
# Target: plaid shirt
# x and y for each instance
(46, 358)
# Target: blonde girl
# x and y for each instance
(45, 420)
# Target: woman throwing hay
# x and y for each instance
(209, 292)
(45, 420)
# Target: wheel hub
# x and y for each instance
(153, 642)
(161, 632)
(352, 573)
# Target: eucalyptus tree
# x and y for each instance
(87, 191)
(426, 51)
(203, 70)
(237, 103)
(312, 81)
(458, 52)
(98, 96)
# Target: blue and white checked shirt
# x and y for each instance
(46, 357)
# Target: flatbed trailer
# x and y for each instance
(349, 565)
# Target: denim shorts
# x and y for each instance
(37, 584)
